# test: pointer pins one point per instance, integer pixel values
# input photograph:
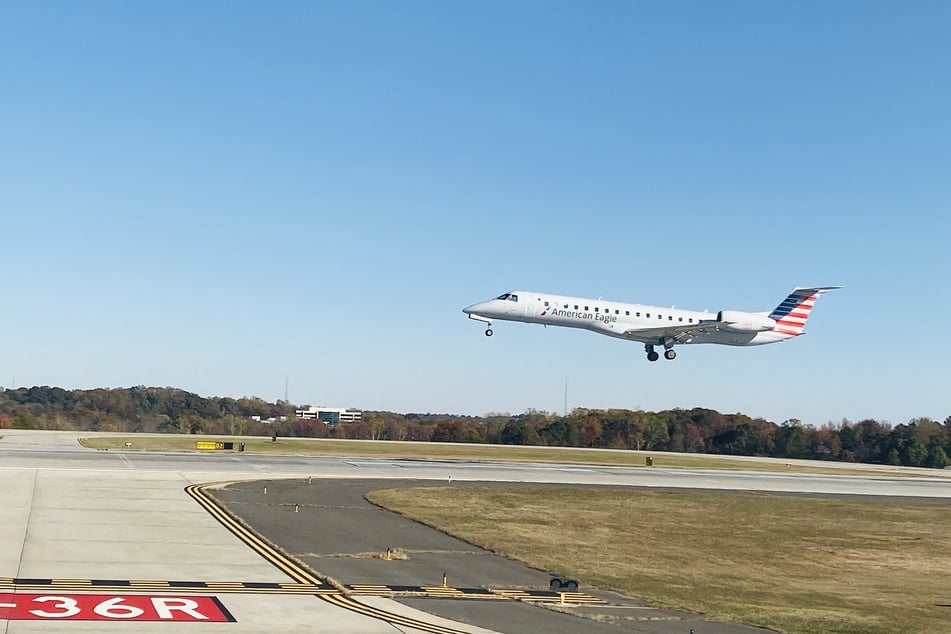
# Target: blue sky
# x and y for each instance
(217, 195)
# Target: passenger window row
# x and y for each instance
(627, 313)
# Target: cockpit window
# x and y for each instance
(513, 298)
(508, 296)
(504, 296)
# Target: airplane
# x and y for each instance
(652, 325)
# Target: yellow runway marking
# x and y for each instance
(297, 572)
(355, 606)
(305, 582)
(270, 587)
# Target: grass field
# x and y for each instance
(449, 451)
(794, 564)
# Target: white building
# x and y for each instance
(272, 419)
(330, 415)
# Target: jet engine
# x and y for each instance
(739, 321)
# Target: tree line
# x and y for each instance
(922, 442)
(136, 409)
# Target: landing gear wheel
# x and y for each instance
(488, 332)
(670, 355)
(555, 584)
(652, 356)
(571, 586)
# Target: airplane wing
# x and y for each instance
(680, 333)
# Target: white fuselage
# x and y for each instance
(614, 319)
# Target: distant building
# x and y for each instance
(330, 415)
(272, 419)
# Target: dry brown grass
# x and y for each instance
(796, 564)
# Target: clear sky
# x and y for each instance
(216, 195)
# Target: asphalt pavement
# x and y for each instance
(110, 527)
(331, 528)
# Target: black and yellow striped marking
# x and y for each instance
(298, 573)
(369, 589)
(178, 587)
(266, 587)
(309, 583)
(287, 565)
(304, 582)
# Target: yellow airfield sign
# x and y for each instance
(211, 444)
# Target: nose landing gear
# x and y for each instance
(485, 320)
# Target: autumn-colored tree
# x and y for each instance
(920, 442)
(454, 431)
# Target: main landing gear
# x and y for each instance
(669, 353)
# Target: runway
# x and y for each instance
(21, 450)
(89, 518)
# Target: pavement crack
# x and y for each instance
(26, 528)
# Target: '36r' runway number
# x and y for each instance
(97, 607)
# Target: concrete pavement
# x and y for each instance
(75, 514)
(123, 524)
(330, 527)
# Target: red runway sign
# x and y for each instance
(107, 607)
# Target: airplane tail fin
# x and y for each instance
(791, 315)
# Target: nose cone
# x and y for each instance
(481, 311)
(484, 309)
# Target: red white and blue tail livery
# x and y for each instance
(653, 325)
(791, 315)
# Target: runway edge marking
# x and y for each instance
(295, 570)
(271, 587)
